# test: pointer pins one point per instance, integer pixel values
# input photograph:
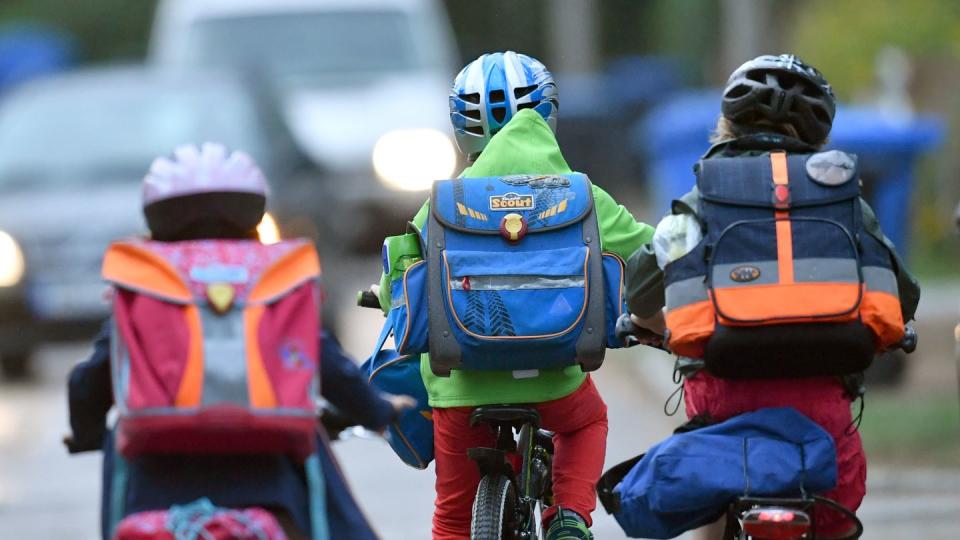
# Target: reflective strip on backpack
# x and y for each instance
(812, 270)
(880, 279)
(516, 283)
(686, 292)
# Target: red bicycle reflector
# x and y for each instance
(775, 524)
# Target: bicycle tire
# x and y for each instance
(494, 509)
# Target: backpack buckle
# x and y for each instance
(513, 227)
(781, 196)
(221, 297)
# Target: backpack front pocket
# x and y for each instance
(802, 270)
(409, 301)
(507, 296)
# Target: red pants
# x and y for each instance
(821, 399)
(579, 422)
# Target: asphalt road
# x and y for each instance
(45, 494)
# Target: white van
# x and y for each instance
(363, 84)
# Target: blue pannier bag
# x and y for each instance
(689, 479)
(411, 435)
(514, 277)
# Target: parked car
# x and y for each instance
(363, 86)
(73, 149)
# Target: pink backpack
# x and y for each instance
(215, 346)
(200, 520)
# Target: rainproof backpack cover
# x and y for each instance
(516, 277)
(786, 282)
(215, 346)
(689, 479)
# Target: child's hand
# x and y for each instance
(401, 403)
(655, 323)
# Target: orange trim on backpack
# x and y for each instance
(771, 304)
(778, 162)
(131, 266)
(881, 313)
(261, 391)
(301, 264)
(690, 328)
(191, 383)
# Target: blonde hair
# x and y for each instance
(727, 129)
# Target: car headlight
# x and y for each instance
(267, 230)
(411, 159)
(11, 261)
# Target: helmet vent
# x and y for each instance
(499, 113)
(821, 115)
(812, 91)
(523, 90)
(530, 105)
(497, 96)
(757, 76)
(471, 98)
(473, 115)
(738, 91)
(474, 130)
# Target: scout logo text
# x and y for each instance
(511, 201)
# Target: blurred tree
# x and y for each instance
(685, 30)
(105, 29)
(498, 25)
(843, 38)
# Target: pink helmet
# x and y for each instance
(206, 188)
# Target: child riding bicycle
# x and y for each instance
(758, 277)
(504, 110)
(202, 207)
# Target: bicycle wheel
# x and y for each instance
(494, 509)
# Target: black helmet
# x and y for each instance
(783, 90)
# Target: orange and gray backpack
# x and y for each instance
(215, 346)
(786, 282)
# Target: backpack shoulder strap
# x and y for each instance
(591, 345)
(444, 349)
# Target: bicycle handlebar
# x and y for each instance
(368, 299)
(909, 342)
(631, 334)
(635, 335)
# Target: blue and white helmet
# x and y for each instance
(491, 89)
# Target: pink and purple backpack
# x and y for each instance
(215, 346)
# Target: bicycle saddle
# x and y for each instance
(505, 415)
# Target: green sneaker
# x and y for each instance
(568, 525)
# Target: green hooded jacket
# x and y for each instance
(525, 146)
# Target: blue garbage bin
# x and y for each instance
(32, 50)
(674, 135)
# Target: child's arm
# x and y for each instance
(90, 396)
(346, 387)
(644, 275)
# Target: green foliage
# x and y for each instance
(842, 37)
(105, 29)
(915, 429)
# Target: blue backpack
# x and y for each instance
(514, 278)
(689, 479)
(411, 434)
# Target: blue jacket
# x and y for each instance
(157, 482)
